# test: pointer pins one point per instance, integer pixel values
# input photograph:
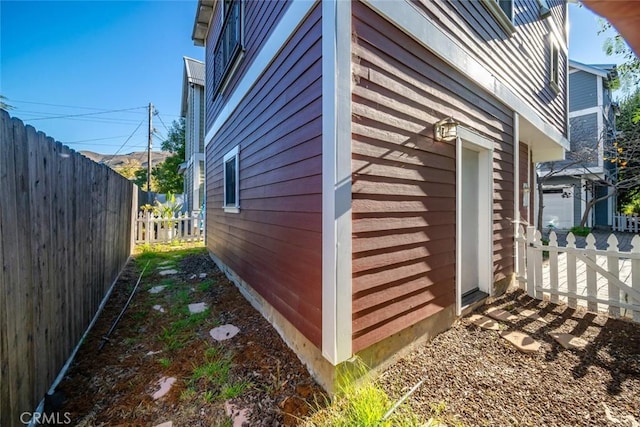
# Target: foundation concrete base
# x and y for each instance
(376, 357)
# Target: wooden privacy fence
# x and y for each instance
(65, 235)
(598, 279)
(154, 228)
(623, 222)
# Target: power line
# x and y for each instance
(94, 139)
(125, 143)
(85, 114)
(162, 121)
(59, 105)
(83, 119)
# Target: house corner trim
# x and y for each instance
(336, 182)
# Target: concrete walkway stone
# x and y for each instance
(531, 314)
(238, 416)
(158, 308)
(500, 314)
(198, 307)
(165, 424)
(168, 272)
(484, 322)
(165, 384)
(224, 332)
(157, 289)
(202, 275)
(568, 341)
(521, 341)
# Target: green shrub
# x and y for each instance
(580, 231)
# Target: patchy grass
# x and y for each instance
(360, 401)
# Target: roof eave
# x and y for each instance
(201, 24)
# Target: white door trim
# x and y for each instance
(484, 146)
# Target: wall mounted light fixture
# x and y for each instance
(445, 130)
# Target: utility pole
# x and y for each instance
(149, 153)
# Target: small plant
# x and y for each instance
(229, 391)
(215, 370)
(360, 401)
(580, 231)
(187, 394)
(208, 396)
(205, 286)
(165, 362)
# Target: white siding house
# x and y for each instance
(193, 112)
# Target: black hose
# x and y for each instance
(105, 338)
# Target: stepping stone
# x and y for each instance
(521, 341)
(530, 314)
(568, 341)
(165, 424)
(484, 322)
(168, 272)
(157, 289)
(198, 307)
(151, 353)
(159, 308)
(500, 314)
(238, 416)
(165, 384)
(165, 262)
(224, 332)
(193, 276)
(202, 275)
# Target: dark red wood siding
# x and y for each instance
(521, 60)
(404, 183)
(260, 18)
(275, 242)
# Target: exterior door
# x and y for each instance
(469, 280)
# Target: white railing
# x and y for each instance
(153, 228)
(598, 279)
(623, 222)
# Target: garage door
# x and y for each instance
(558, 208)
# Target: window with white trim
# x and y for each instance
(554, 65)
(231, 181)
(502, 10)
(230, 45)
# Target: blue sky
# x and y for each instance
(91, 56)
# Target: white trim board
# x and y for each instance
(415, 25)
(336, 182)
(469, 139)
(286, 27)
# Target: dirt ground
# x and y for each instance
(472, 376)
(254, 369)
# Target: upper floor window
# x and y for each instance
(503, 11)
(230, 44)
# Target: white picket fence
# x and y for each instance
(623, 222)
(598, 279)
(186, 227)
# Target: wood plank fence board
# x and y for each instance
(60, 251)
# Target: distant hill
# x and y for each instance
(137, 157)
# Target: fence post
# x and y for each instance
(521, 254)
(553, 266)
(531, 272)
(572, 282)
(592, 278)
(635, 276)
(613, 268)
(147, 234)
(635, 223)
(538, 265)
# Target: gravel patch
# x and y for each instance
(483, 381)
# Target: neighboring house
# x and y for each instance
(585, 173)
(330, 201)
(192, 110)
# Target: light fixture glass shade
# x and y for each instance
(445, 130)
